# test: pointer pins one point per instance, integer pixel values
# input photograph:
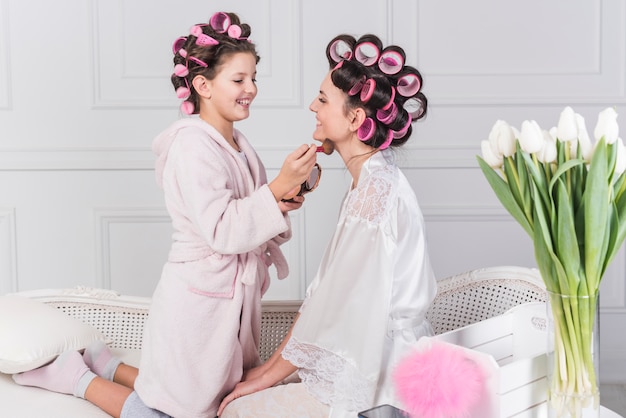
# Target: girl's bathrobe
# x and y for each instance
(204, 323)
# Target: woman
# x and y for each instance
(368, 302)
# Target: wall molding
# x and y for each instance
(142, 158)
(103, 219)
(8, 251)
(76, 159)
(466, 213)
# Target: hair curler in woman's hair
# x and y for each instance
(409, 81)
(367, 50)
(391, 60)
(377, 80)
(367, 129)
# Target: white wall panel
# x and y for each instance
(8, 273)
(5, 70)
(523, 52)
(463, 238)
(131, 47)
(132, 245)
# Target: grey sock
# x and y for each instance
(83, 382)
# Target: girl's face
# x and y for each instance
(329, 106)
(234, 88)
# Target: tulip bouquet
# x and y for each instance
(567, 192)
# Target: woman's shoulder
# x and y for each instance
(373, 198)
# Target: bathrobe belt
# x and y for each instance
(269, 253)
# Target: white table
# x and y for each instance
(607, 413)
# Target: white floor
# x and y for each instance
(614, 398)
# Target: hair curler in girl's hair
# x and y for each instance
(202, 51)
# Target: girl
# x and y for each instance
(204, 323)
(368, 301)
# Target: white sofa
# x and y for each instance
(461, 300)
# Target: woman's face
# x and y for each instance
(329, 106)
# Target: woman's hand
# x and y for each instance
(242, 389)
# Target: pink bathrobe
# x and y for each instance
(204, 324)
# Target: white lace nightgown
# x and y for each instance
(363, 310)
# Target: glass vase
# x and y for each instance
(573, 356)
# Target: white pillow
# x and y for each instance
(33, 333)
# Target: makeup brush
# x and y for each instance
(327, 147)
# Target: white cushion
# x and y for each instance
(33, 334)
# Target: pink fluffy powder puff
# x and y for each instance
(438, 382)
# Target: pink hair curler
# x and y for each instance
(234, 31)
(220, 22)
(387, 115)
(409, 84)
(368, 90)
(339, 65)
(391, 99)
(183, 92)
(358, 86)
(366, 130)
(205, 40)
(404, 130)
(414, 107)
(196, 30)
(387, 142)
(340, 50)
(187, 107)
(180, 70)
(367, 53)
(198, 61)
(178, 44)
(183, 52)
(391, 60)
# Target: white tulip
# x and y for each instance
(620, 162)
(607, 126)
(502, 139)
(586, 148)
(494, 160)
(547, 154)
(515, 132)
(567, 129)
(552, 132)
(531, 137)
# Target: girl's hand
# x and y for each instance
(292, 204)
(295, 170)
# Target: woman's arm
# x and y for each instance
(274, 358)
(275, 369)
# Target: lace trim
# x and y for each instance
(330, 378)
(370, 199)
